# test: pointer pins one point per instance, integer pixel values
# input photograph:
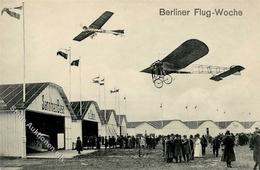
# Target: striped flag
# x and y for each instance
(12, 13)
(64, 55)
(102, 82)
(95, 79)
(114, 91)
(75, 63)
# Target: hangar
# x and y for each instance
(203, 127)
(42, 123)
(122, 123)
(89, 121)
(110, 124)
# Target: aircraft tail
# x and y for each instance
(118, 32)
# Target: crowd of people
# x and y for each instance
(177, 148)
(112, 142)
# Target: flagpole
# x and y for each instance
(115, 98)
(162, 116)
(80, 85)
(69, 74)
(105, 111)
(118, 102)
(99, 92)
(125, 104)
(24, 92)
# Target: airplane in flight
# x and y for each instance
(96, 26)
(184, 55)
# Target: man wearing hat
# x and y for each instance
(255, 141)
(229, 154)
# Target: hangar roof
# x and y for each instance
(119, 119)
(189, 124)
(85, 106)
(106, 114)
(12, 95)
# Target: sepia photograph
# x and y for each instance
(138, 84)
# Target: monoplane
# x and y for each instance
(184, 55)
(96, 26)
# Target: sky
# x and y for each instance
(51, 25)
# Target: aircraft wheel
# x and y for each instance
(167, 79)
(158, 83)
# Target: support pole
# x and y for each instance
(69, 74)
(80, 86)
(24, 92)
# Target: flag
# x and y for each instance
(75, 63)
(114, 91)
(64, 55)
(12, 13)
(19, 7)
(102, 82)
(95, 81)
(96, 78)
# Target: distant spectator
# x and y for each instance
(78, 145)
(229, 154)
(204, 144)
(216, 145)
(255, 145)
(197, 147)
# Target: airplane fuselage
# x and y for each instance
(115, 32)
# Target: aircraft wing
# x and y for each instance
(101, 20)
(83, 35)
(229, 72)
(167, 71)
(97, 24)
(188, 52)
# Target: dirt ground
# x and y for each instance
(128, 159)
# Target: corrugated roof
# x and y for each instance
(247, 125)
(108, 114)
(12, 95)
(133, 124)
(223, 124)
(159, 124)
(85, 106)
(119, 119)
(189, 124)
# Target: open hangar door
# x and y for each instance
(89, 130)
(51, 127)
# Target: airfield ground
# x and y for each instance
(128, 159)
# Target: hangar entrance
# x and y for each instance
(89, 132)
(44, 131)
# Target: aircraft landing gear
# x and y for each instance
(158, 80)
(167, 79)
(158, 83)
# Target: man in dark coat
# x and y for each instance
(191, 140)
(169, 149)
(204, 144)
(106, 142)
(186, 149)
(178, 148)
(229, 154)
(216, 145)
(255, 144)
(78, 145)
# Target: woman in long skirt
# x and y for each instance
(197, 147)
